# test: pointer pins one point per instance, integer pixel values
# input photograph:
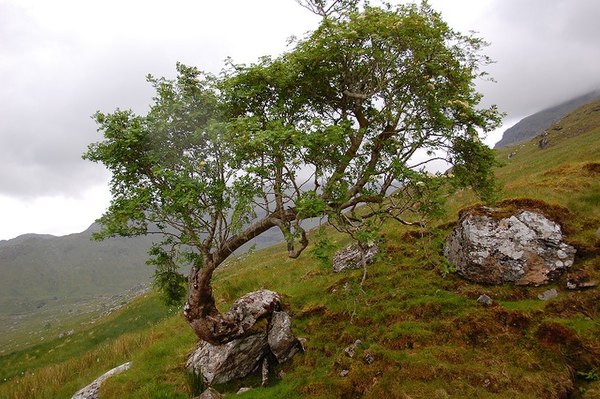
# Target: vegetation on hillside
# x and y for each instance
(421, 324)
(341, 127)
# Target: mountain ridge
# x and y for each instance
(535, 124)
(36, 267)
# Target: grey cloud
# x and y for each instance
(17, 29)
(545, 51)
(46, 123)
(52, 83)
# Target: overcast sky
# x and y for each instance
(62, 60)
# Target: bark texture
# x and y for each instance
(200, 310)
(216, 328)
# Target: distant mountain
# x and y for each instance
(535, 124)
(38, 270)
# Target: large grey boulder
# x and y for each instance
(217, 364)
(282, 341)
(525, 248)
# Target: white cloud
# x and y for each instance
(56, 215)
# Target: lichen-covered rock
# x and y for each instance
(249, 308)
(222, 363)
(350, 350)
(269, 337)
(209, 393)
(547, 295)
(485, 300)
(525, 248)
(282, 341)
(350, 257)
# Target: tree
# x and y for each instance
(337, 127)
(326, 8)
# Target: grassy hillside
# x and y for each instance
(422, 325)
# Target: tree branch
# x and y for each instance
(254, 230)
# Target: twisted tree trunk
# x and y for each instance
(219, 328)
(200, 309)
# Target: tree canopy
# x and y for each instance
(339, 127)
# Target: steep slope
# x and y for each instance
(582, 120)
(535, 124)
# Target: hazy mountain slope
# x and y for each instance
(535, 124)
(582, 120)
(38, 270)
(41, 270)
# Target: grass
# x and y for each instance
(59, 367)
(427, 334)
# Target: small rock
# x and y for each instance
(344, 373)
(581, 279)
(243, 390)
(581, 285)
(302, 341)
(485, 300)
(350, 257)
(546, 295)
(350, 351)
(210, 393)
(369, 359)
(91, 391)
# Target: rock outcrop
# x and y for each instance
(222, 363)
(524, 248)
(350, 257)
(217, 364)
(282, 341)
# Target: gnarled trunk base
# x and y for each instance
(219, 329)
(242, 342)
